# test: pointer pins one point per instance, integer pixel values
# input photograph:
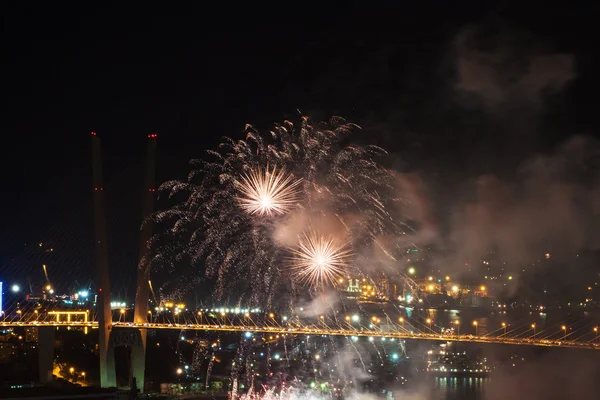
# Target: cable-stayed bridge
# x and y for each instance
(553, 336)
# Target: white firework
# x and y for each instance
(320, 259)
(267, 192)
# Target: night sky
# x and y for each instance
(408, 74)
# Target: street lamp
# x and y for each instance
(457, 323)
(401, 320)
(476, 325)
(429, 321)
(564, 328)
(596, 331)
(83, 374)
(72, 371)
(179, 371)
(533, 327)
(15, 288)
(504, 326)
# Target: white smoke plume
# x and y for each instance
(507, 66)
(552, 204)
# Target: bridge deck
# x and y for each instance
(313, 330)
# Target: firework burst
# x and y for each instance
(319, 260)
(267, 192)
(305, 168)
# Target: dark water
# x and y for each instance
(453, 389)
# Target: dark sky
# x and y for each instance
(197, 73)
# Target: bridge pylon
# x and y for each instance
(105, 350)
(142, 293)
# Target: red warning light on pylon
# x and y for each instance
(93, 133)
(153, 135)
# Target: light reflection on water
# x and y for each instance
(459, 388)
(463, 388)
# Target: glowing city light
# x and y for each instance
(15, 288)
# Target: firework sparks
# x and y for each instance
(319, 260)
(305, 166)
(267, 192)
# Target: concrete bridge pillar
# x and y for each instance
(138, 360)
(142, 294)
(46, 353)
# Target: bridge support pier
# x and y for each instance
(46, 353)
(106, 350)
(138, 360)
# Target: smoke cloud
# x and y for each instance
(556, 375)
(323, 304)
(551, 205)
(501, 66)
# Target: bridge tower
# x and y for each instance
(106, 352)
(138, 351)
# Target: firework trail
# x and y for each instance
(232, 206)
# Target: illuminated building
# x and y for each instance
(7, 350)
(353, 285)
(366, 288)
(116, 305)
(429, 285)
(31, 335)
